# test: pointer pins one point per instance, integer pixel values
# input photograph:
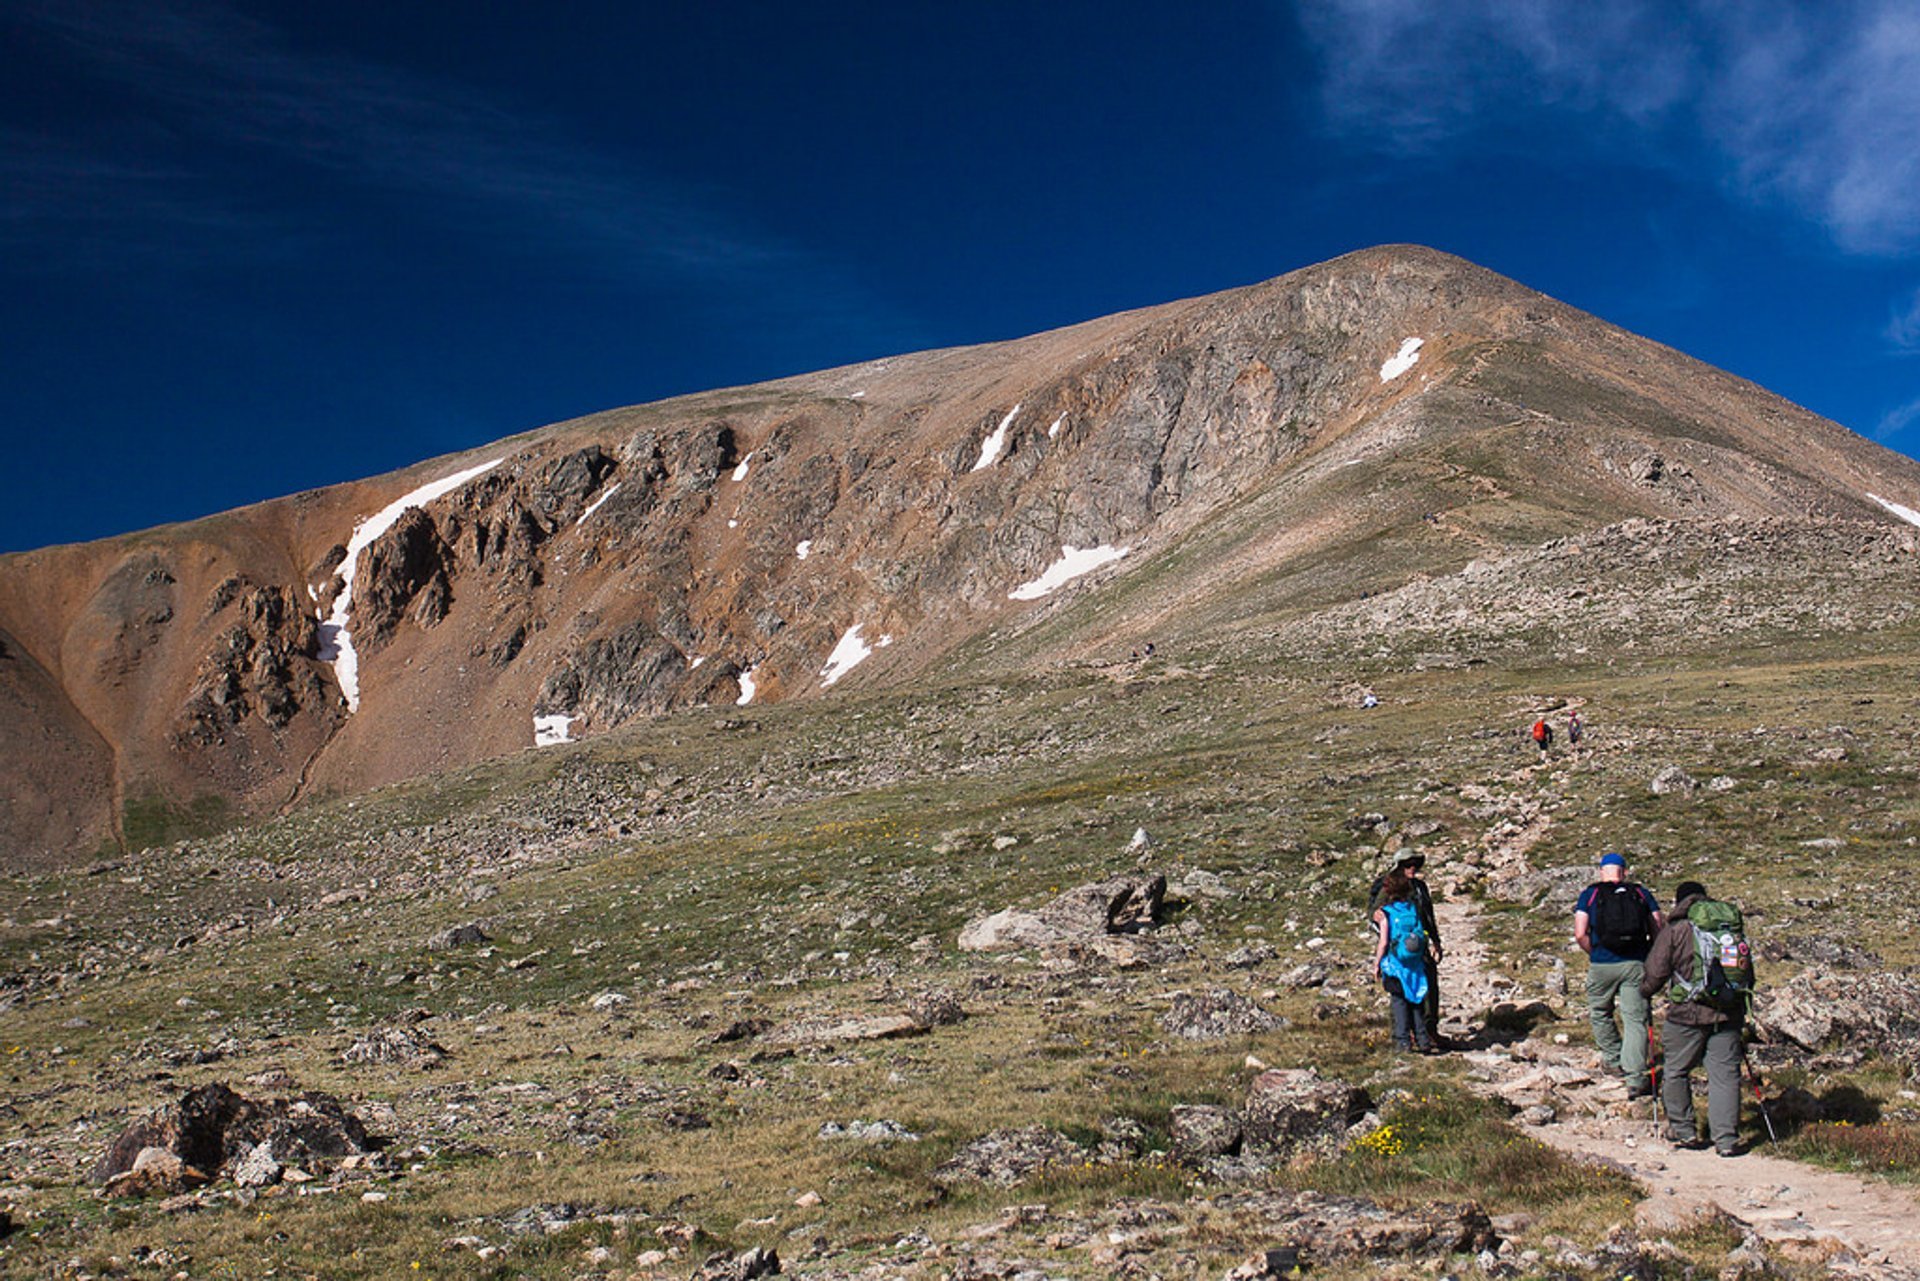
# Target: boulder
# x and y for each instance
(395, 1046)
(935, 1007)
(1198, 1131)
(868, 1132)
(1298, 1112)
(1004, 931)
(1123, 905)
(1871, 1011)
(211, 1128)
(156, 1171)
(829, 1029)
(1217, 1013)
(458, 936)
(1007, 1157)
(257, 1168)
(1672, 779)
(757, 1262)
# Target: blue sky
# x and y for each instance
(248, 250)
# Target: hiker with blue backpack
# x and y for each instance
(1702, 960)
(1403, 959)
(1614, 923)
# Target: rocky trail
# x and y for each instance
(1865, 1228)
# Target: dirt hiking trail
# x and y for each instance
(1865, 1228)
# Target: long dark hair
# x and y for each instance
(1397, 886)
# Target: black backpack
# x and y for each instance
(1620, 920)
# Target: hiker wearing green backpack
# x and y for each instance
(1614, 923)
(1702, 959)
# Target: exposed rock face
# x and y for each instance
(645, 560)
(265, 664)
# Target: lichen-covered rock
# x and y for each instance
(1198, 1131)
(1215, 1014)
(1007, 1157)
(1298, 1112)
(401, 1046)
(1670, 780)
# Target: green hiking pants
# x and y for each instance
(1613, 989)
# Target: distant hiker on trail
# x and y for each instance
(1703, 961)
(1542, 734)
(1403, 959)
(1411, 864)
(1614, 922)
(1575, 728)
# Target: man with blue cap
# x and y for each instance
(1614, 921)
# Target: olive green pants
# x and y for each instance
(1613, 989)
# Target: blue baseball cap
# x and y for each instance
(1610, 859)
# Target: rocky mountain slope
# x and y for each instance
(1321, 447)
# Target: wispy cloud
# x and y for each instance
(1903, 327)
(1817, 106)
(1895, 422)
(216, 89)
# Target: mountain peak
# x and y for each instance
(1182, 470)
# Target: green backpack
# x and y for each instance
(1722, 961)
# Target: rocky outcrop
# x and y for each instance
(212, 1129)
(1872, 1011)
(264, 663)
(1083, 914)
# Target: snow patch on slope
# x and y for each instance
(996, 442)
(803, 548)
(1406, 358)
(847, 655)
(1073, 562)
(740, 472)
(747, 688)
(611, 491)
(550, 731)
(1907, 514)
(336, 643)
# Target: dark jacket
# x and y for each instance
(1422, 905)
(1674, 954)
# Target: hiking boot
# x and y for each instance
(1733, 1150)
(1613, 1069)
(1691, 1142)
(1640, 1091)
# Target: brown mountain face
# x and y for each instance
(1267, 452)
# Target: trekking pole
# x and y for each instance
(1753, 1074)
